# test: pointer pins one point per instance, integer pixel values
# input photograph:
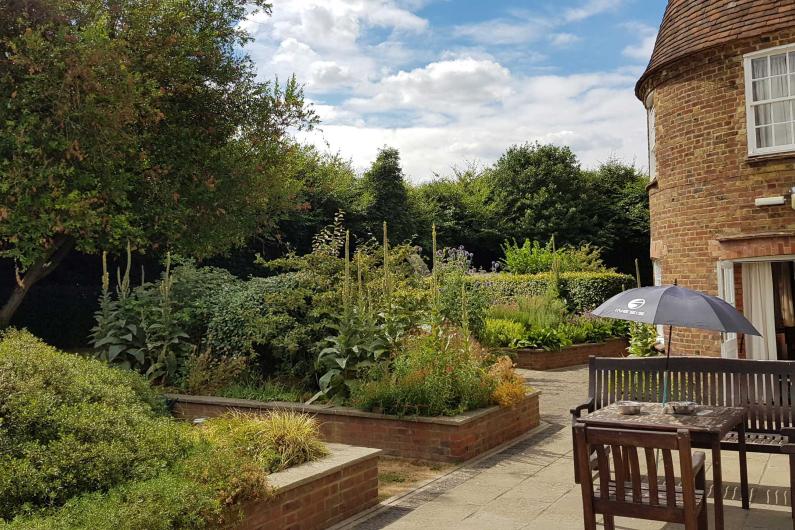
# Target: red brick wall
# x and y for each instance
(446, 440)
(571, 356)
(702, 207)
(317, 504)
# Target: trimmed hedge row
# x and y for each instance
(582, 291)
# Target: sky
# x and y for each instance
(456, 82)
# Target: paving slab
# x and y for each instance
(530, 484)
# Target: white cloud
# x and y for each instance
(590, 8)
(642, 49)
(444, 102)
(562, 40)
(486, 109)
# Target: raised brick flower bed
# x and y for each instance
(318, 494)
(571, 356)
(441, 439)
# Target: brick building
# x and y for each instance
(720, 97)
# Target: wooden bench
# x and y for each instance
(763, 388)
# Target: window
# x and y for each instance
(770, 100)
(657, 273)
(652, 136)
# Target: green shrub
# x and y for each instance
(431, 375)
(532, 311)
(582, 291)
(533, 258)
(72, 425)
(503, 333)
(263, 390)
(83, 445)
(642, 340)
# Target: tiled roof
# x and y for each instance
(691, 26)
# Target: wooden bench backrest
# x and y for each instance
(635, 492)
(765, 388)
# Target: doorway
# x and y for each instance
(764, 290)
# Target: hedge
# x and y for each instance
(582, 291)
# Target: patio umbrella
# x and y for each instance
(671, 305)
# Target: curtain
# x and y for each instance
(759, 308)
(785, 296)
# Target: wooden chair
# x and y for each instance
(628, 493)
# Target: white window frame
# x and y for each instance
(656, 268)
(753, 150)
(651, 135)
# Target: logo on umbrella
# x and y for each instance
(637, 303)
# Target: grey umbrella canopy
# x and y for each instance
(670, 305)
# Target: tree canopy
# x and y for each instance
(135, 121)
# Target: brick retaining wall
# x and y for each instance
(441, 439)
(318, 494)
(572, 356)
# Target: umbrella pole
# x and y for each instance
(665, 372)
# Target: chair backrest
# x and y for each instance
(617, 455)
(764, 388)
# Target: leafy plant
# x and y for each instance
(510, 388)
(533, 257)
(642, 340)
(502, 333)
(141, 329)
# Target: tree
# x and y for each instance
(536, 192)
(385, 196)
(621, 215)
(457, 206)
(140, 121)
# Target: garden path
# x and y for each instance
(529, 484)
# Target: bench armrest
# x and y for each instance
(576, 412)
(789, 447)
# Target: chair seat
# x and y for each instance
(645, 499)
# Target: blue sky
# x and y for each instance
(453, 82)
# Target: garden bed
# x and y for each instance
(318, 494)
(532, 359)
(441, 439)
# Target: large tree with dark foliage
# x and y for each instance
(140, 121)
(385, 196)
(537, 191)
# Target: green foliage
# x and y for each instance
(263, 390)
(532, 311)
(141, 122)
(642, 340)
(432, 374)
(141, 329)
(452, 267)
(88, 446)
(533, 258)
(537, 192)
(385, 196)
(72, 425)
(503, 333)
(582, 291)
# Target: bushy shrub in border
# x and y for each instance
(581, 290)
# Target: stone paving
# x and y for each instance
(530, 483)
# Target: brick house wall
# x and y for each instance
(702, 203)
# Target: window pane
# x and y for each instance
(778, 64)
(781, 112)
(783, 133)
(792, 62)
(792, 85)
(761, 90)
(778, 86)
(762, 114)
(759, 67)
(764, 136)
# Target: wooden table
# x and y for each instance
(707, 427)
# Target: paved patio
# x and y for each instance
(530, 484)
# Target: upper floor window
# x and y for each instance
(770, 100)
(652, 136)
